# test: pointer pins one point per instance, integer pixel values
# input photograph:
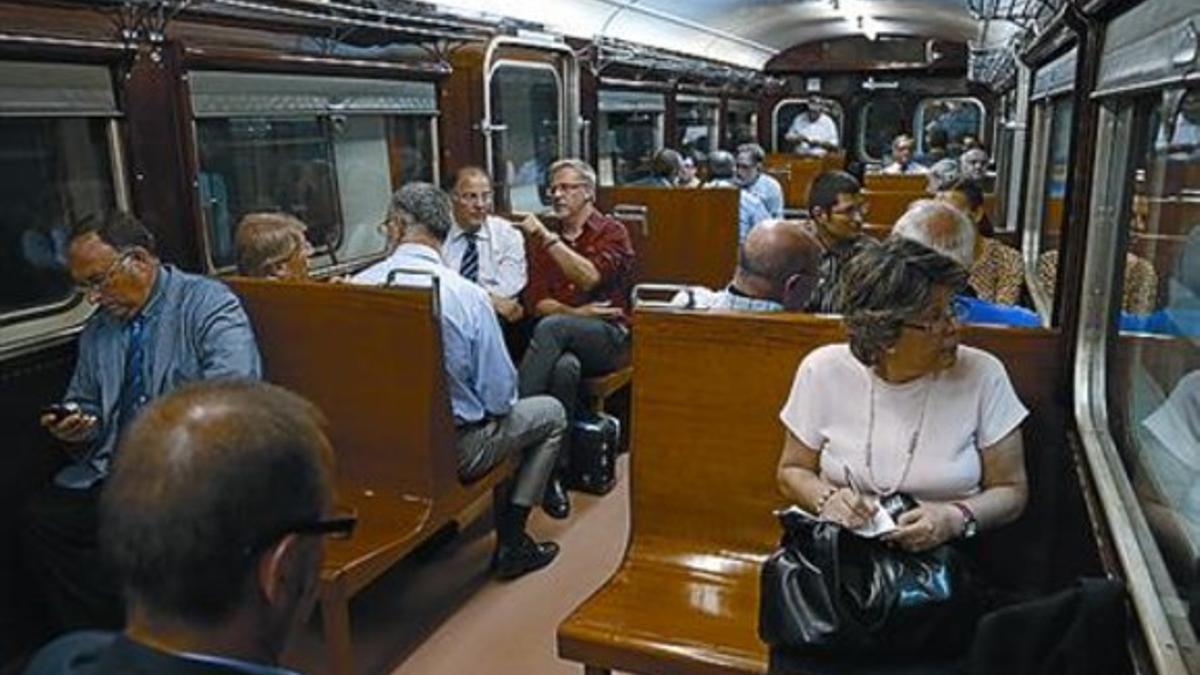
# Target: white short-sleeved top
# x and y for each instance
(971, 406)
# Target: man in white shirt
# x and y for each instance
(903, 163)
(814, 133)
(485, 248)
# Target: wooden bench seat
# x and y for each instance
(597, 390)
(371, 360)
(703, 488)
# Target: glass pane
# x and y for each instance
(1054, 190)
(627, 141)
(266, 164)
(947, 125)
(525, 101)
(696, 126)
(365, 148)
(741, 118)
(1158, 346)
(54, 173)
(787, 113)
(883, 120)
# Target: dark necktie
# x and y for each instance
(470, 259)
(133, 386)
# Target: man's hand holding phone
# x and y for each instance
(67, 422)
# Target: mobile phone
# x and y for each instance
(60, 411)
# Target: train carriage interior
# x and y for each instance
(1075, 122)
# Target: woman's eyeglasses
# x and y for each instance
(953, 316)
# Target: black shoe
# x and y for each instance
(555, 502)
(510, 562)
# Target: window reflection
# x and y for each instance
(525, 107)
(947, 127)
(54, 172)
(741, 118)
(696, 123)
(1058, 115)
(787, 112)
(882, 120)
(631, 129)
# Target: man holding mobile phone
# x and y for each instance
(156, 329)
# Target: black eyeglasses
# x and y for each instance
(954, 315)
(339, 526)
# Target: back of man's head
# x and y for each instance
(119, 229)
(666, 164)
(942, 174)
(427, 207)
(941, 227)
(266, 239)
(786, 255)
(720, 164)
(209, 479)
(825, 188)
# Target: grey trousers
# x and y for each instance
(565, 349)
(534, 427)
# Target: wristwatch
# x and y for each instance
(970, 524)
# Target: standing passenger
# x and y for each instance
(490, 421)
(157, 328)
(485, 248)
(579, 284)
(750, 175)
(836, 205)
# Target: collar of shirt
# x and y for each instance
(235, 664)
(743, 302)
(421, 252)
(484, 232)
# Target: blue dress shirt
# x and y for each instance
(480, 373)
(194, 328)
(766, 188)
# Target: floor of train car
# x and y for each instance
(441, 613)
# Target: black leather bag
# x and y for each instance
(828, 591)
(593, 463)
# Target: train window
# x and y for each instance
(696, 123)
(945, 125)
(741, 119)
(327, 150)
(1004, 155)
(527, 130)
(882, 119)
(631, 129)
(59, 163)
(1048, 183)
(788, 109)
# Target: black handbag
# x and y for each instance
(593, 463)
(829, 591)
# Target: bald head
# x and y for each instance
(780, 258)
(941, 227)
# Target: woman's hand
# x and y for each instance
(929, 525)
(848, 509)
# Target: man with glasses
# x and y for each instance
(837, 208)
(213, 519)
(751, 210)
(485, 248)
(750, 175)
(579, 284)
(157, 328)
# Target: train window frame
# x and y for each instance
(829, 103)
(605, 171)
(861, 141)
(1036, 203)
(491, 128)
(1102, 432)
(746, 105)
(30, 327)
(919, 118)
(716, 124)
(330, 256)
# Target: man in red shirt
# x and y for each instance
(579, 283)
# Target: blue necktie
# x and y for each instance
(133, 386)
(470, 260)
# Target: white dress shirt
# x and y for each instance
(824, 130)
(501, 255)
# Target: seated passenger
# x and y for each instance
(688, 166)
(1139, 293)
(836, 206)
(272, 246)
(213, 520)
(156, 329)
(950, 232)
(938, 421)
(941, 175)
(665, 166)
(998, 272)
(751, 177)
(813, 133)
(778, 269)
(903, 163)
(485, 248)
(490, 421)
(974, 163)
(579, 283)
(751, 210)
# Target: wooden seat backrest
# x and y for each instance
(795, 175)
(886, 207)
(370, 359)
(889, 183)
(683, 235)
(707, 436)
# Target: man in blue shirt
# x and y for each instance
(213, 519)
(157, 328)
(750, 175)
(751, 210)
(491, 422)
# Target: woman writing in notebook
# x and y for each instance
(903, 408)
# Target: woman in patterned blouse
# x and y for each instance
(996, 275)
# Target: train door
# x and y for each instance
(531, 117)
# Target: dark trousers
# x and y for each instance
(62, 554)
(565, 349)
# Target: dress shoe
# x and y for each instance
(512, 561)
(555, 501)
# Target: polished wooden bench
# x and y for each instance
(371, 360)
(796, 174)
(886, 206)
(703, 488)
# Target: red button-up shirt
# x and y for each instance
(606, 244)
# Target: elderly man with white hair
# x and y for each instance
(950, 232)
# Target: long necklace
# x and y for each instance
(912, 440)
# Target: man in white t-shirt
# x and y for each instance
(814, 133)
(484, 248)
